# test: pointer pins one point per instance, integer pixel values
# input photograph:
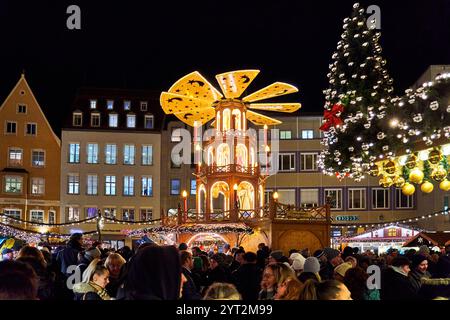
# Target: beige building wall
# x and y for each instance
(45, 199)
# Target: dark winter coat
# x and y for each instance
(69, 256)
(217, 274)
(396, 286)
(327, 272)
(248, 281)
(190, 291)
(416, 276)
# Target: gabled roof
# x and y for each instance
(438, 239)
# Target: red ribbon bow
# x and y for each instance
(331, 118)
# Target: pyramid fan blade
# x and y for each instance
(194, 85)
(274, 90)
(175, 103)
(234, 83)
(201, 116)
(260, 119)
(278, 107)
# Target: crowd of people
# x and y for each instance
(153, 272)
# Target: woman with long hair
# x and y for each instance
(94, 281)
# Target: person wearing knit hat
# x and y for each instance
(331, 253)
(340, 270)
(275, 256)
(298, 261)
(311, 269)
(333, 260)
(419, 266)
(92, 253)
(424, 250)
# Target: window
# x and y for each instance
(175, 185)
(77, 119)
(92, 153)
(309, 198)
(13, 213)
(91, 212)
(110, 212)
(113, 120)
(128, 214)
(93, 104)
(147, 187)
(148, 121)
(73, 184)
(37, 216)
(268, 194)
(38, 158)
(309, 161)
(126, 105)
(31, 129)
(380, 198)
(286, 196)
(143, 105)
(15, 157)
(110, 104)
(335, 197)
(51, 216)
(392, 232)
(13, 184)
(128, 154)
(307, 134)
(402, 201)
(73, 214)
(74, 153)
(110, 154)
(176, 135)
(110, 185)
(146, 214)
(356, 199)
(95, 119)
(92, 182)
(11, 127)
(131, 121)
(37, 186)
(21, 108)
(128, 185)
(285, 134)
(147, 155)
(286, 162)
(193, 186)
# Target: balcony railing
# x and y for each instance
(231, 168)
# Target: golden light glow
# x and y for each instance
(278, 107)
(274, 90)
(260, 120)
(235, 187)
(196, 86)
(184, 194)
(267, 149)
(275, 195)
(234, 83)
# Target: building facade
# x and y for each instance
(29, 159)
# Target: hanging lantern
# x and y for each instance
(399, 182)
(439, 174)
(445, 185)
(408, 189)
(386, 182)
(411, 162)
(374, 171)
(426, 187)
(416, 175)
(389, 167)
(434, 157)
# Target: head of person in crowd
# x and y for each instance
(91, 254)
(340, 270)
(333, 256)
(352, 260)
(239, 255)
(364, 262)
(325, 290)
(424, 250)
(298, 262)
(402, 264)
(34, 253)
(7, 254)
(125, 252)
(226, 248)
(18, 281)
(276, 256)
(186, 260)
(434, 257)
(289, 289)
(311, 270)
(291, 251)
(286, 272)
(319, 254)
(355, 250)
(76, 239)
(97, 273)
(182, 246)
(154, 274)
(419, 263)
(271, 276)
(216, 261)
(306, 253)
(222, 291)
(196, 251)
(114, 263)
(347, 252)
(261, 246)
(356, 281)
(249, 258)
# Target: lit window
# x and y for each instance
(309, 161)
(13, 213)
(74, 153)
(113, 120)
(15, 157)
(77, 119)
(92, 153)
(285, 134)
(73, 214)
(149, 119)
(37, 186)
(193, 186)
(51, 217)
(356, 199)
(146, 214)
(335, 197)
(128, 154)
(128, 214)
(110, 185)
(91, 212)
(147, 155)
(73, 184)
(110, 212)
(131, 121)
(175, 185)
(286, 162)
(21, 108)
(147, 187)
(38, 158)
(93, 104)
(309, 198)
(31, 129)
(95, 120)
(110, 104)
(110, 154)
(37, 216)
(126, 105)
(307, 134)
(11, 127)
(13, 184)
(128, 185)
(143, 105)
(92, 182)
(392, 232)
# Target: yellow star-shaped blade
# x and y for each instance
(234, 83)
(175, 103)
(278, 107)
(194, 85)
(197, 117)
(274, 90)
(260, 119)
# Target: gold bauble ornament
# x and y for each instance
(386, 182)
(399, 182)
(411, 162)
(426, 187)
(439, 174)
(408, 189)
(445, 185)
(434, 156)
(374, 171)
(416, 175)
(389, 167)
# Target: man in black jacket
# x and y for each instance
(248, 277)
(69, 255)
(395, 284)
(190, 291)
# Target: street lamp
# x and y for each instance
(275, 196)
(184, 195)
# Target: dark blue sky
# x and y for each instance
(150, 44)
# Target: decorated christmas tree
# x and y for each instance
(359, 85)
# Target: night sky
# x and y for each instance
(150, 44)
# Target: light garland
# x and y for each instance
(42, 224)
